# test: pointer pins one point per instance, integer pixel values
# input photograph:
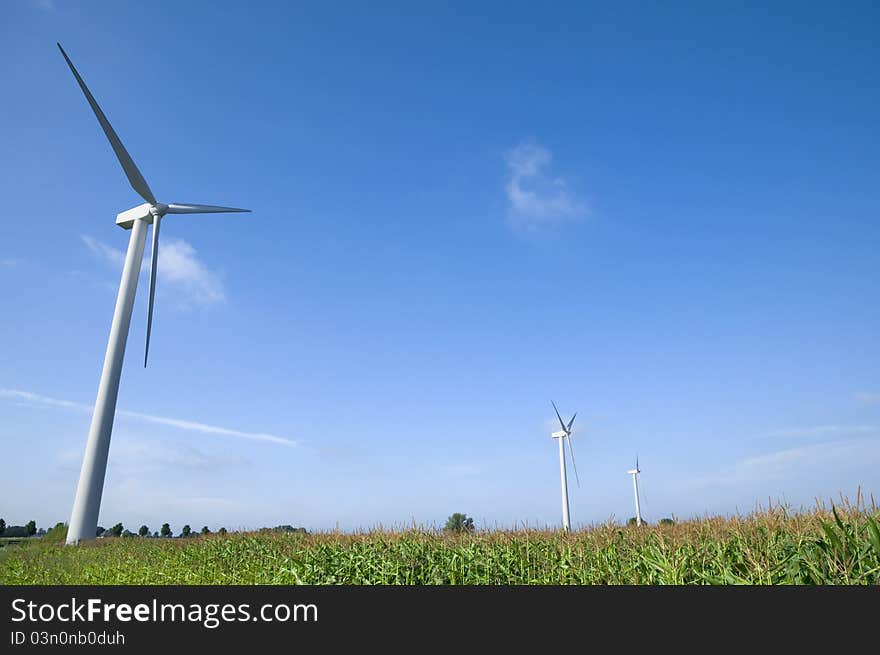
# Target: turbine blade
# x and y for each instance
(637, 462)
(154, 260)
(561, 422)
(571, 422)
(574, 466)
(179, 208)
(138, 183)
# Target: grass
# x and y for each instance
(776, 546)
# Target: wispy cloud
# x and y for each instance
(180, 424)
(26, 397)
(868, 397)
(180, 266)
(800, 463)
(536, 198)
(193, 426)
(180, 270)
(825, 430)
(109, 254)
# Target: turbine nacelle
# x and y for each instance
(126, 219)
(636, 470)
(145, 212)
(559, 434)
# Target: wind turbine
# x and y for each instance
(635, 475)
(84, 516)
(562, 435)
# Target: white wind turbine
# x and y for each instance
(635, 476)
(562, 435)
(84, 517)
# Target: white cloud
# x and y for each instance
(535, 197)
(108, 253)
(192, 426)
(868, 397)
(181, 272)
(180, 267)
(180, 424)
(35, 399)
(45, 5)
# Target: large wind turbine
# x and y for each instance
(635, 475)
(562, 435)
(84, 517)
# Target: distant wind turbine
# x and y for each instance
(86, 505)
(562, 435)
(635, 476)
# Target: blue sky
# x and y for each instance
(663, 216)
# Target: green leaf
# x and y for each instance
(832, 536)
(874, 535)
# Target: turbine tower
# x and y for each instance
(635, 476)
(87, 503)
(562, 435)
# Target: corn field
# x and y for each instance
(840, 546)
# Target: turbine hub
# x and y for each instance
(159, 210)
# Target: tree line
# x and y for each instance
(186, 531)
(119, 530)
(29, 529)
(457, 522)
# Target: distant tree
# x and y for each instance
(286, 528)
(101, 530)
(41, 532)
(2, 526)
(116, 530)
(205, 530)
(31, 528)
(15, 531)
(187, 531)
(156, 534)
(166, 530)
(57, 534)
(127, 533)
(221, 531)
(667, 521)
(143, 531)
(459, 523)
(632, 521)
